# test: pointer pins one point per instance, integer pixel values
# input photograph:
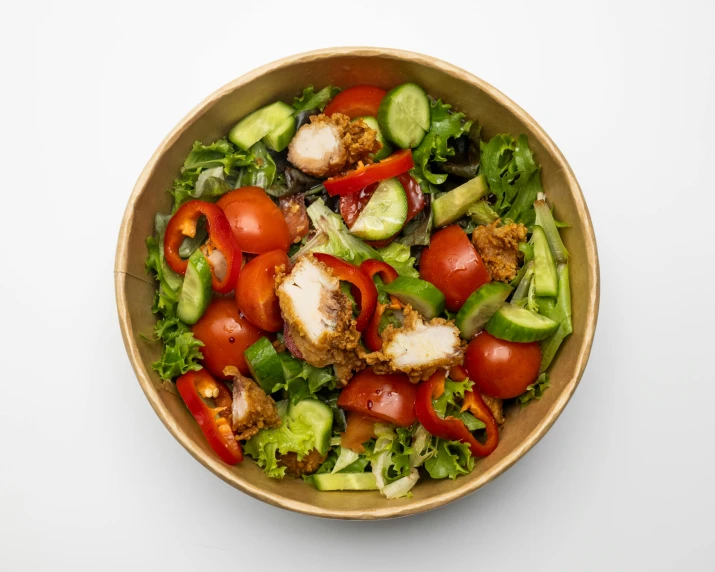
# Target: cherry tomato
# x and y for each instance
(360, 428)
(296, 215)
(502, 369)
(256, 222)
(452, 264)
(255, 293)
(389, 397)
(357, 101)
(226, 335)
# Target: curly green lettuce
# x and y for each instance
(450, 459)
(309, 99)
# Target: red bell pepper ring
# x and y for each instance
(351, 273)
(387, 273)
(215, 423)
(450, 427)
(365, 175)
(183, 223)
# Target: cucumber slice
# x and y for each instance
(319, 416)
(385, 212)
(258, 124)
(515, 324)
(545, 220)
(546, 280)
(404, 115)
(345, 482)
(196, 292)
(481, 305)
(279, 138)
(423, 296)
(386, 150)
(454, 205)
(265, 366)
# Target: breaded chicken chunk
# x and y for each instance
(252, 409)
(495, 405)
(328, 146)
(418, 348)
(319, 317)
(499, 248)
(299, 467)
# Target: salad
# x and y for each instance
(352, 286)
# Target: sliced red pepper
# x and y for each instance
(183, 223)
(387, 273)
(358, 179)
(351, 273)
(215, 422)
(450, 427)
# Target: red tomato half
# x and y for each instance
(502, 369)
(360, 428)
(452, 264)
(255, 292)
(256, 222)
(226, 335)
(389, 397)
(357, 101)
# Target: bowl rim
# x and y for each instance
(388, 511)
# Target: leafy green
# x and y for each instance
(435, 147)
(417, 232)
(398, 256)
(481, 213)
(302, 380)
(261, 172)
(291, 182)
(334, 238)
(472, 423)
(513, 176)
(450, 401)
(309, 99)
(535, 390)
(293, 436)
(450, 459)
(181, 352)
(560, 311)
(466, 164)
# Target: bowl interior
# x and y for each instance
(346, 67)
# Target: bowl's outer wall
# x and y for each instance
(345, 67)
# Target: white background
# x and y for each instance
(89, 477)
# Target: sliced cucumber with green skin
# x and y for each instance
(404, 115)
(319, 416)
(386, 150)
(515, 324)
(195, 294)
(265, 366)
(481, 305)
(454, 205)
(345, 482)
(279, 138)
(384, 214)
(258, 124)
(546, 280)
(423, 296)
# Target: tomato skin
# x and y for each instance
(452, 264)
(390, 397)
(502, 369)
(255, 290)
(357, 101)
(220, 324)
(360, 428)
(256, 222)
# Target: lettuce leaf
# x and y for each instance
(535, 390)
(309, 99)
(435, 147)
(398, 256)
(449, 403)
(302, 380)
(261, 172)
(450, 459)
(181, 351)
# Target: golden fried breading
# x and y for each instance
(499, 248)
(418, 348)
(328, 146)
(305, 466)
(252, 409)
(319, 317)
(495, 405)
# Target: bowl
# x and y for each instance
(345, 67)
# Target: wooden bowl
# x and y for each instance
(345, 67)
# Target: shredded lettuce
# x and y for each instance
(450, 459)
(309, 99)
(398, 256)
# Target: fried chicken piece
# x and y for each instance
(418, 348)
(495, 405)
(499, 248)
(305, 466)
(319, 317)
(328, 146)
(252, 409)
